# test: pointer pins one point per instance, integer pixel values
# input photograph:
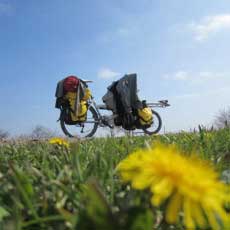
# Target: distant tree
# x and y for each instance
(41, 132)
(223, 118)
(3, 134)
(24, 137)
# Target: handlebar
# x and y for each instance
(160, 104)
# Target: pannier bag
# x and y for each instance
(121, 96)
(123, 100)
(145, 116)
(79, 113)
(72, 95)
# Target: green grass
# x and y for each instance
(44, 186)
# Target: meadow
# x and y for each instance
(78, 185)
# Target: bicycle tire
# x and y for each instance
(157, 117)
(90, 134)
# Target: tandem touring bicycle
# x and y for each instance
(96, 118)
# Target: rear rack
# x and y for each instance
(159, 104)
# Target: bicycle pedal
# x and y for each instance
(105, 122)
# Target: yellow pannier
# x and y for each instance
(145, 116)
(78, 112)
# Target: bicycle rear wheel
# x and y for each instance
(82, 129)
(156, 125)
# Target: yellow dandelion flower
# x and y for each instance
(59, 141)
(185, 183)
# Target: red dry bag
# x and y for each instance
(70, 84)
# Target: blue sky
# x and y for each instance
(179, 49)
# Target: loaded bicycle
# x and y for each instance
(96, 115)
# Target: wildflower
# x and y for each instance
(59, 141)
(184, 183)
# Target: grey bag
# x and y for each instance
(127, 91)
(121, 96)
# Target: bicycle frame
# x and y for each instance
(107, 120)
(101, 118)
(92, 103)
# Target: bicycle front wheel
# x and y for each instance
(82, 129)
(156, 125)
